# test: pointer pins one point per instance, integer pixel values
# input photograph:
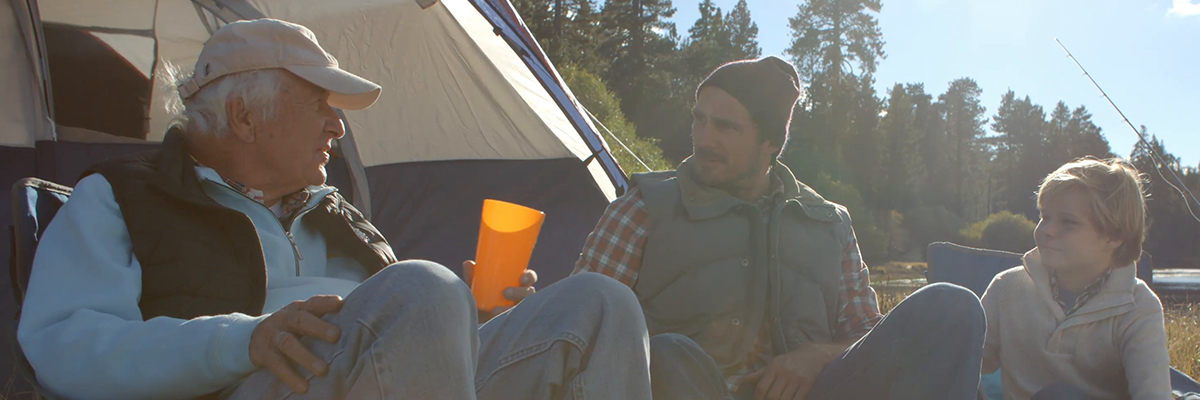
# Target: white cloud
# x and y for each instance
(1185, 8)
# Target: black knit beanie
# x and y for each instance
(768, 87)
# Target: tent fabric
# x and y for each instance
(113, 14)
(509, 25)
(453, 88)
(484, 103)
(432, 210)
(24, 117)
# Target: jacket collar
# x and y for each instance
(704, 202)
(177, 171)
(1114, 298)
(177, 174)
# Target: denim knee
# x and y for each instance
(589, 287)
(948, 302)
(672, 347)
(421, 281)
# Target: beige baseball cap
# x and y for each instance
(270, 43)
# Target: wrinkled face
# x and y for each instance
(727, 150)
(1068, 239)
(295, 144)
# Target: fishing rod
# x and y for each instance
(1158, 160)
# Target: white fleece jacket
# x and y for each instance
(1114, 347)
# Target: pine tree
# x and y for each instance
(743, 32)
(1022, 152)
(962, 113)
(1084, 137)
(565, 29)
(638, 36)
(707, 46)
(710, 25)
(836, 45)
(642, 44)
(836, 38)
(902, 170)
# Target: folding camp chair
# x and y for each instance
(34, 203)
(974, 269)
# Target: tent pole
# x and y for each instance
(358, 173)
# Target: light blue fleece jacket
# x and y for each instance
(83, 332)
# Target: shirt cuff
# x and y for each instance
(234, 345)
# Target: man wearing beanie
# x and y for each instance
(752, 284)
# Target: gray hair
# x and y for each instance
(204, 113)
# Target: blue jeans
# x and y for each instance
(411, 332)
(929, 347)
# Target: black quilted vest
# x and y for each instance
(200, 258)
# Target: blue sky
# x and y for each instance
(1145, 54)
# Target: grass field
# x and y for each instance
(1182, 314)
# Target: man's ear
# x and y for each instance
(240, 120)
(773, 150)
(770, 149)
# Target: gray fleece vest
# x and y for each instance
(715, 269)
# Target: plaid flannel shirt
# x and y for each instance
(289, 205)
(1088, 292)
(615, 248)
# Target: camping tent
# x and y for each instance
(471, 109)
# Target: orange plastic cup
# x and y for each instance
(507, 234)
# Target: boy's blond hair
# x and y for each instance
(1115, 193)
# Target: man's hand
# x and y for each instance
(515, 293)
(791, 376)
(276, 340)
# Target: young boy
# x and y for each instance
(1074, 322)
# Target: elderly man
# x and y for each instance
(752, 284)
(217, 266)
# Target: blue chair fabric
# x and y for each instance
(34, 203)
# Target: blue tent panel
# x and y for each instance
(432, 210)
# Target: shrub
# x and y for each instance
(595, 97)
(872, 242)
(1001, 231)
(932, 224)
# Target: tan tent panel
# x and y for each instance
(113, 14)
(137, 50)
(485, 103)
(24, 117)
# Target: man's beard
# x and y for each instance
(734, 184)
